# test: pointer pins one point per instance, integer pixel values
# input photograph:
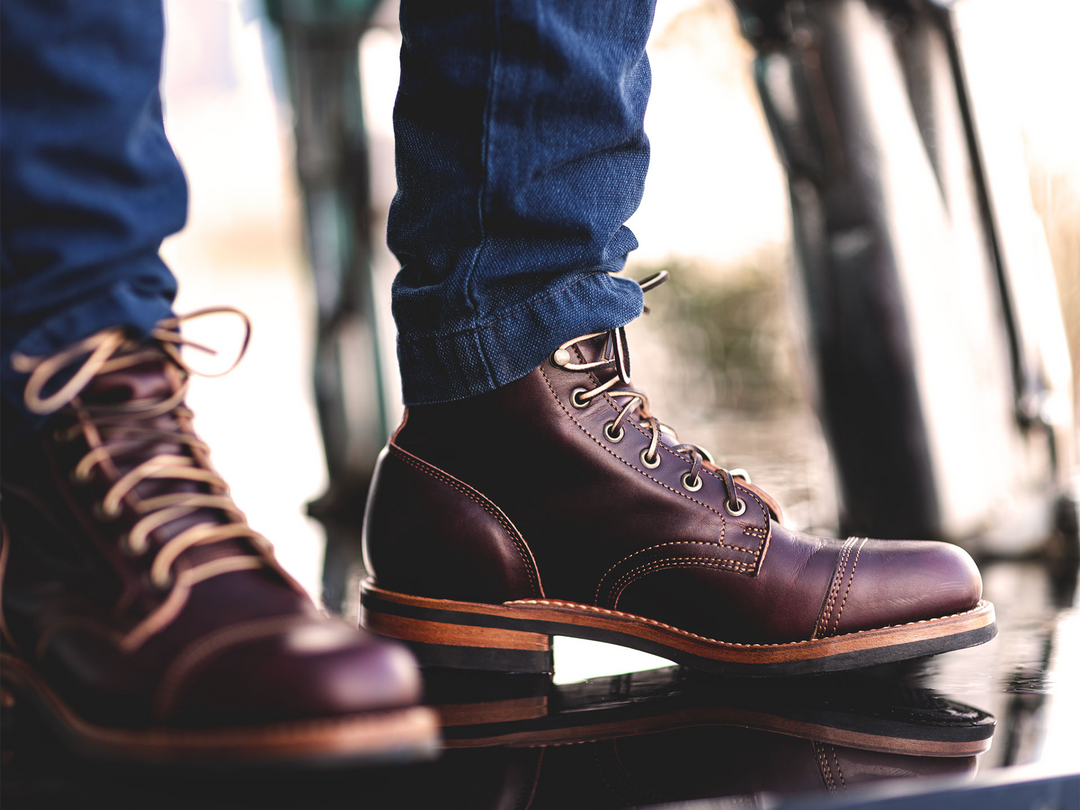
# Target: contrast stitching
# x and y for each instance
(641, 571)
(482, 191)
(823, 766)
(836, 759)
(672, 562)
(637, 427)
(854, 565)
(822, 624)
(838, 578)
(551, 388)
(623, 615)
(488, 506)
(627, 558)
(654, 480)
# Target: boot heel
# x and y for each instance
(441, 636)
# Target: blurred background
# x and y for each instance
(724, 353)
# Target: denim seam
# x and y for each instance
(415, 337)
(446, 356)
(489, 114)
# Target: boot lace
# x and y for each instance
(616, 356)
(113, 430)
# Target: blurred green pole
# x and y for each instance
(320, 46)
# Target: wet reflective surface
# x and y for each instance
(637, 740)
(672, 735)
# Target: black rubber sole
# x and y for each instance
(504, 638)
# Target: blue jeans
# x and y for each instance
(520, 154)
(89, 186)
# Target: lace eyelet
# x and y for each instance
(653, 464)
(738, 509)
(580, 404)
(611, 436)
(691, 487)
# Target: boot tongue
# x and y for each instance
(153, 382)
(607, 346)
(149, 383)
(146, 381)
(596, 349)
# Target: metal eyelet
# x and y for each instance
(652, 465)
(738, 509)
(691, 487)
(611, 436)
(579, 403)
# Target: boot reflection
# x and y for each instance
(677, 735)
(518, 742)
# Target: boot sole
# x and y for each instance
(385, 737)
(923, 742)
(516, 637)
(620, 706)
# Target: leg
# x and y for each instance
(90, 185)
(509, 216)
(532, 492)
(139, 611)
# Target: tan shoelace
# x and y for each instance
(129, 425)
(616, 355)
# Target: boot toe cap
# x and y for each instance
(316, 670)
(899, 582)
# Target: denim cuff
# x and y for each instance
(122, 304)
(442, 368)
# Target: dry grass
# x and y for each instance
(1057, 201)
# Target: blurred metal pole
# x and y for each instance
(320, 42)
(933, 369)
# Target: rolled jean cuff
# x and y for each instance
(442, 368)
(124, 304)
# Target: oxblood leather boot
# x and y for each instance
(558, 505)
(143, 617)
(866, 709)
(677, 735)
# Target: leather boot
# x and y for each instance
(864, 709)
(143, 617)
(667, 736)
(559, 505)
